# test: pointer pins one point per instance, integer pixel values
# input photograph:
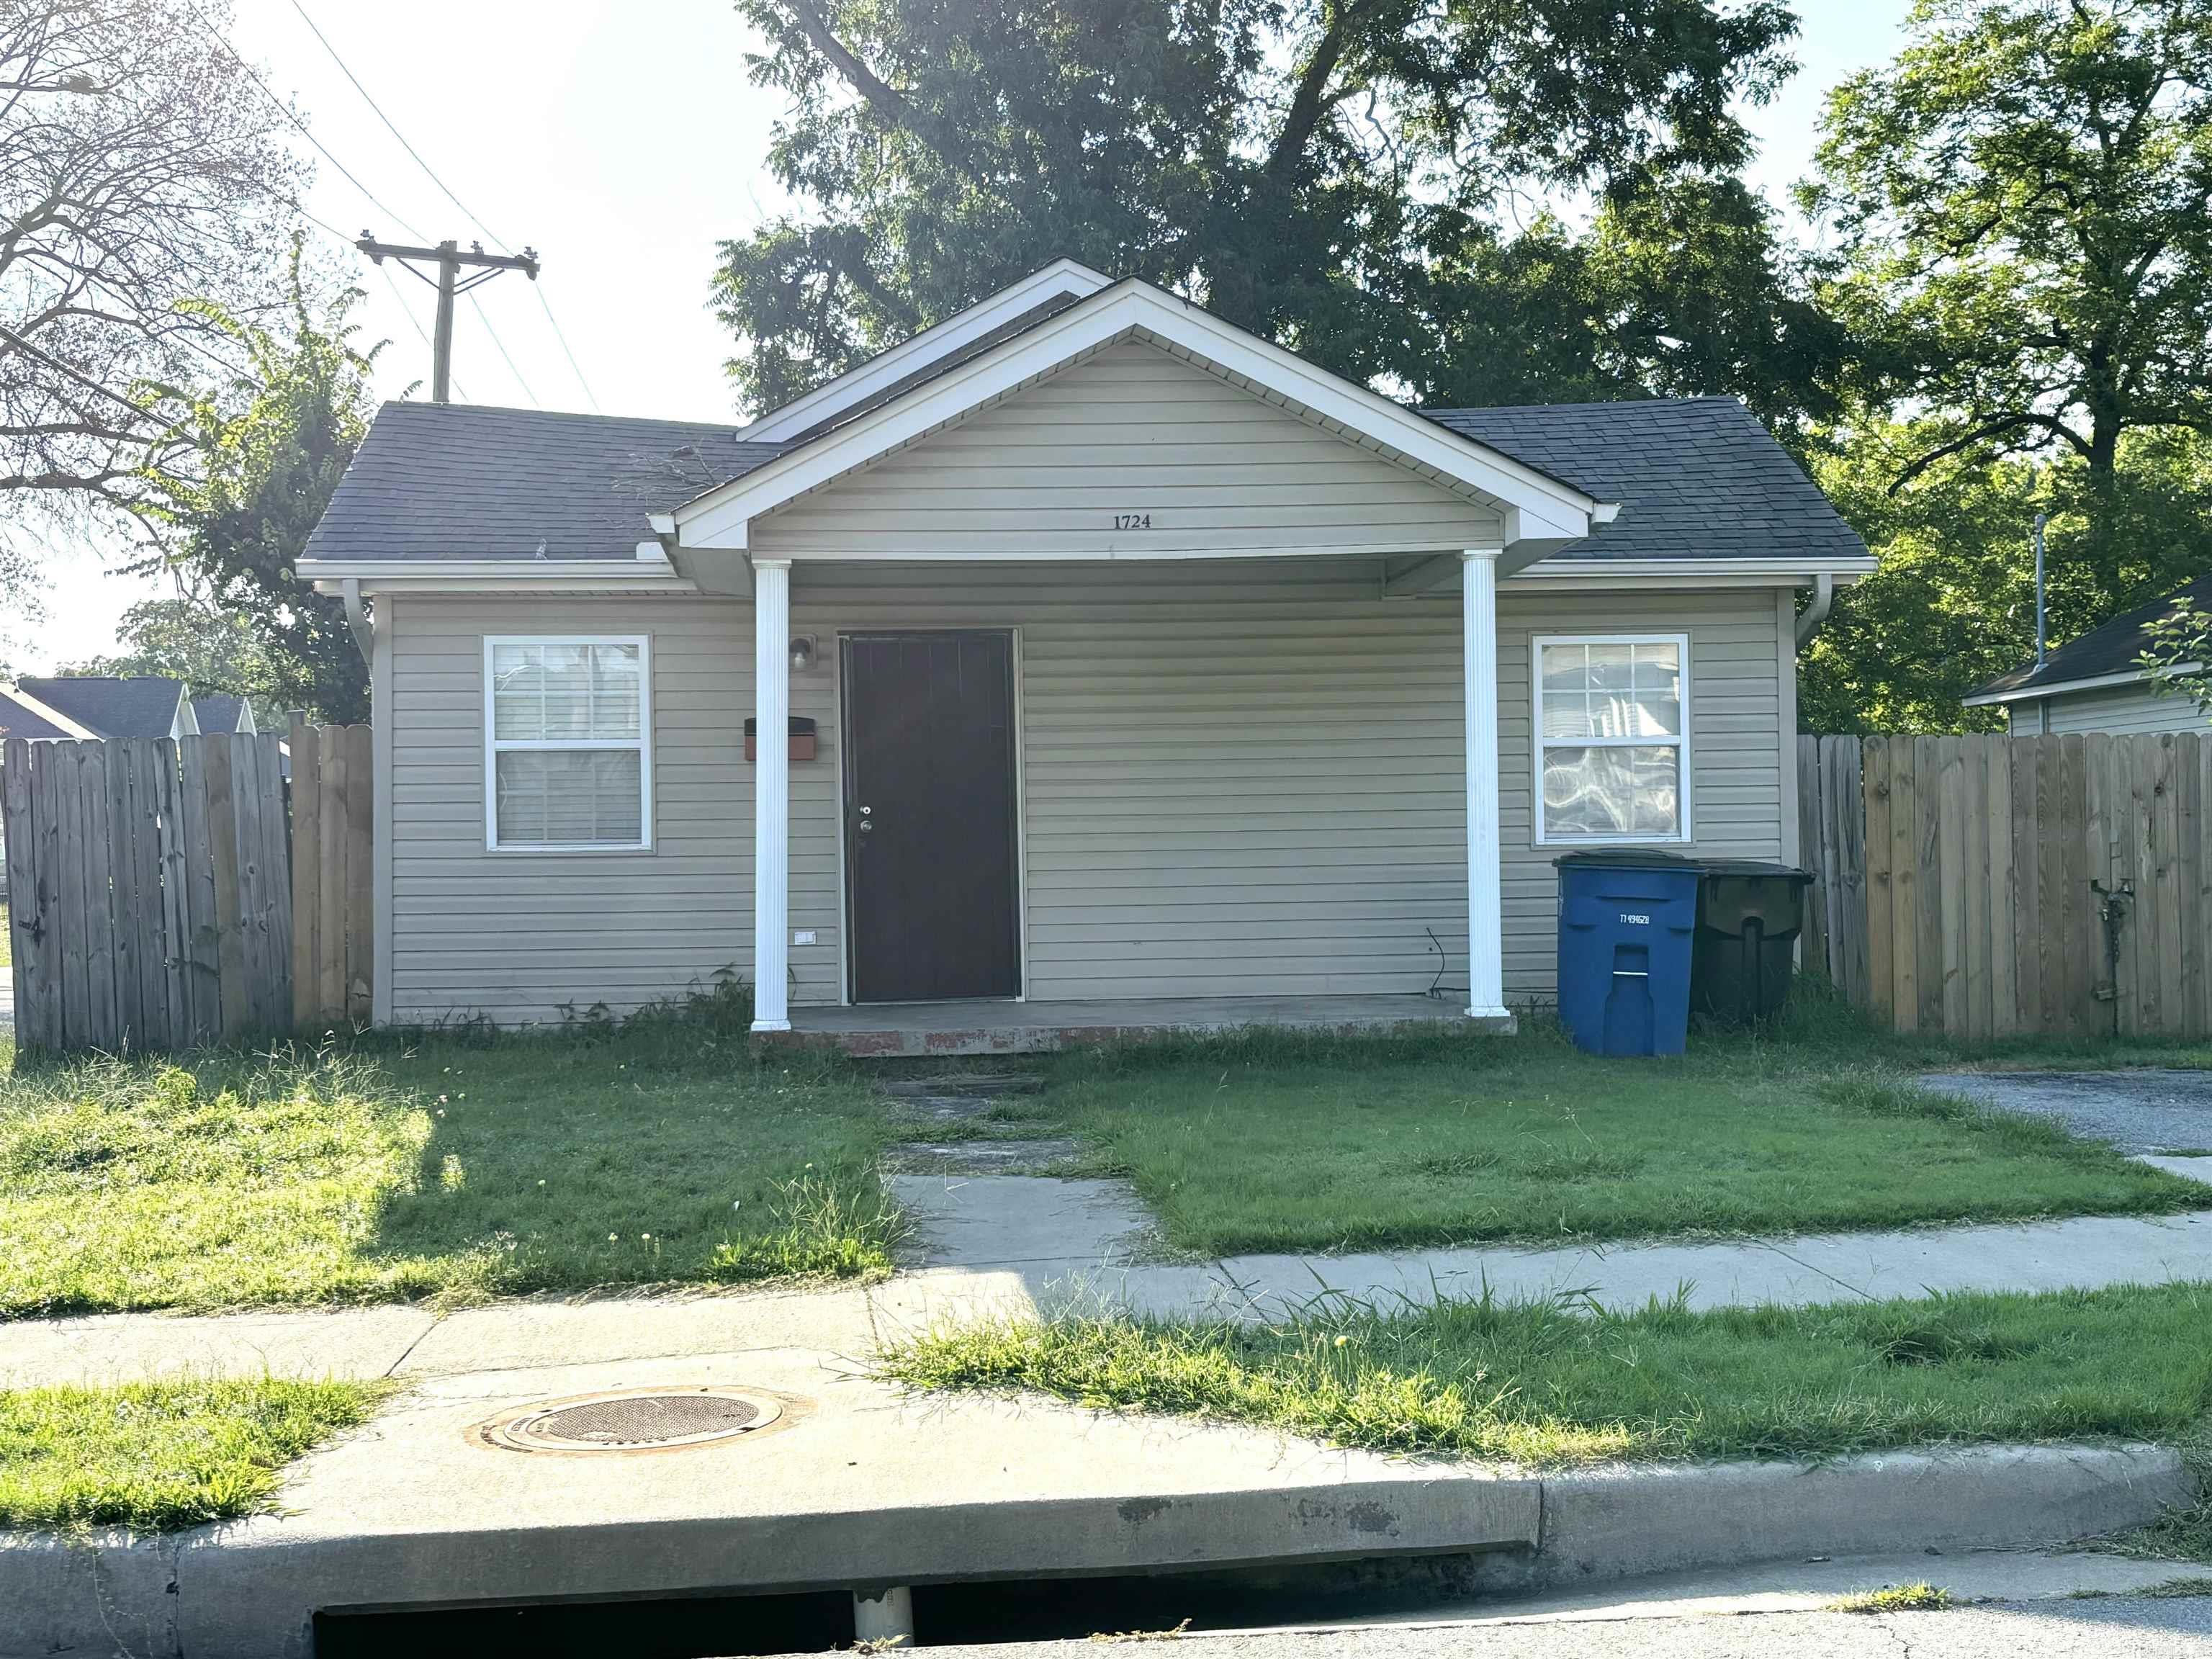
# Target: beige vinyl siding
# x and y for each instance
(2109, 709)
(1238, 778)
(1132, 429)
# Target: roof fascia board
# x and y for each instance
(48, 713)
(480, 576)
(2060, 688)
(720, 517)
(1801, 571)
(956, 333)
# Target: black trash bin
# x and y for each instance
(1749, 915)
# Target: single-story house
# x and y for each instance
(2097, 683)
(221, 713)
(57, 707)
(1084, 653)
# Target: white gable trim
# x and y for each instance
(1548, 509)
(48, 713)
(2062, 688)
(1063, 278)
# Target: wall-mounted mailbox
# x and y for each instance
(802, 738)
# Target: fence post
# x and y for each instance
(306, 873)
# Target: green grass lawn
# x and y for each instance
(1279, 1142)
(446, 1167)
(161, 1455)
(1542, 1384)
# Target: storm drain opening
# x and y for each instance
(636, 1421)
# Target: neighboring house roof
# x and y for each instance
(22, 715)
(140, 706)
(1696, 478)
(219, 712)
(2105, 655)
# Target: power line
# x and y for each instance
(476, 305)
(566, 352)
(293, 116)
(394, 130)
(393, 127)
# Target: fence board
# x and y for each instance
(1928, 766)
(103, 1018)
(2165, 833)
(361, 798)
(330, 894)
(1816, 944)
(222, 851)
(176, 926)
(1950, 879)
(2004, 989)
(201, 968)
(154, 962)
(277, 842)
(1880, 796)
(29, 894)
(306, 873)
(123, 895)
(1974, 883)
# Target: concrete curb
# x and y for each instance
(250, 1590)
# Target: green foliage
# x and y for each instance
(1562, 1383)
(271, 447)
(209, 650)
(1327, 174)
(161, 1455)
(2179, 652)
(2021, 204)
(1917, 1597)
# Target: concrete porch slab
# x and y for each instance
(909, 1030)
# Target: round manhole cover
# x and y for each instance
(634, 1420)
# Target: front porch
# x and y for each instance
(911, 1030)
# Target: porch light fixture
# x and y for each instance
(802, 653)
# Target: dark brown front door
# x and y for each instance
(929, 816)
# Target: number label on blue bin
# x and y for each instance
(1632, 919)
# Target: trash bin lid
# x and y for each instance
(1632, 858)
(1757, 868)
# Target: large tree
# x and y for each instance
(186, 637)
(270, 446)
(2023, 201)
(1340, 175)
(139, 167)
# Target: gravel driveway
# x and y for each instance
(2144, 1110)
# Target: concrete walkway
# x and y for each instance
(1014, 1246)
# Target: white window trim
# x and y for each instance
(494, 744)
(1538, 743)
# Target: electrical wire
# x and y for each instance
(393, 127)
(395, 131)
(476, 305)
(293, 116)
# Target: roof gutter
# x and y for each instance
(2061, 688)
(1824, 601)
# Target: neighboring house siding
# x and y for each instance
(1131, 430)
(2109, 708)
(1238, 779)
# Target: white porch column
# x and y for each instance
(772, 795)
(1486, 919)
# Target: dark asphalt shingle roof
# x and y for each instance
(1696, 478)
(18, 721)
(217, 712)
(141, 706)
(461, 481)
(2111, 648)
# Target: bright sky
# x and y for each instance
(622, 140)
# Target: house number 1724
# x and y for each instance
(1133, 521)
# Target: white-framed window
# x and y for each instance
(1612, 744)
(567, 743)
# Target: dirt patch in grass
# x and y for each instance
(1546, 1384)
(1279, 1142)
(161, 1455)
(444, 1167)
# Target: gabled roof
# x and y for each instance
(218, 713)
(2105, 655)
(22, 715)
(1696, 478)
(458, 481)
(139, 706)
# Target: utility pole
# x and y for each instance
(449, 260)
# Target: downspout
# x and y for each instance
(364, 630)
(1824, 601)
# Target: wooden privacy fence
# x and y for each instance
(157, 897)
(1981, 886)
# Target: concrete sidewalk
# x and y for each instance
(1010, 1245)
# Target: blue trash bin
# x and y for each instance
(1627, 922)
